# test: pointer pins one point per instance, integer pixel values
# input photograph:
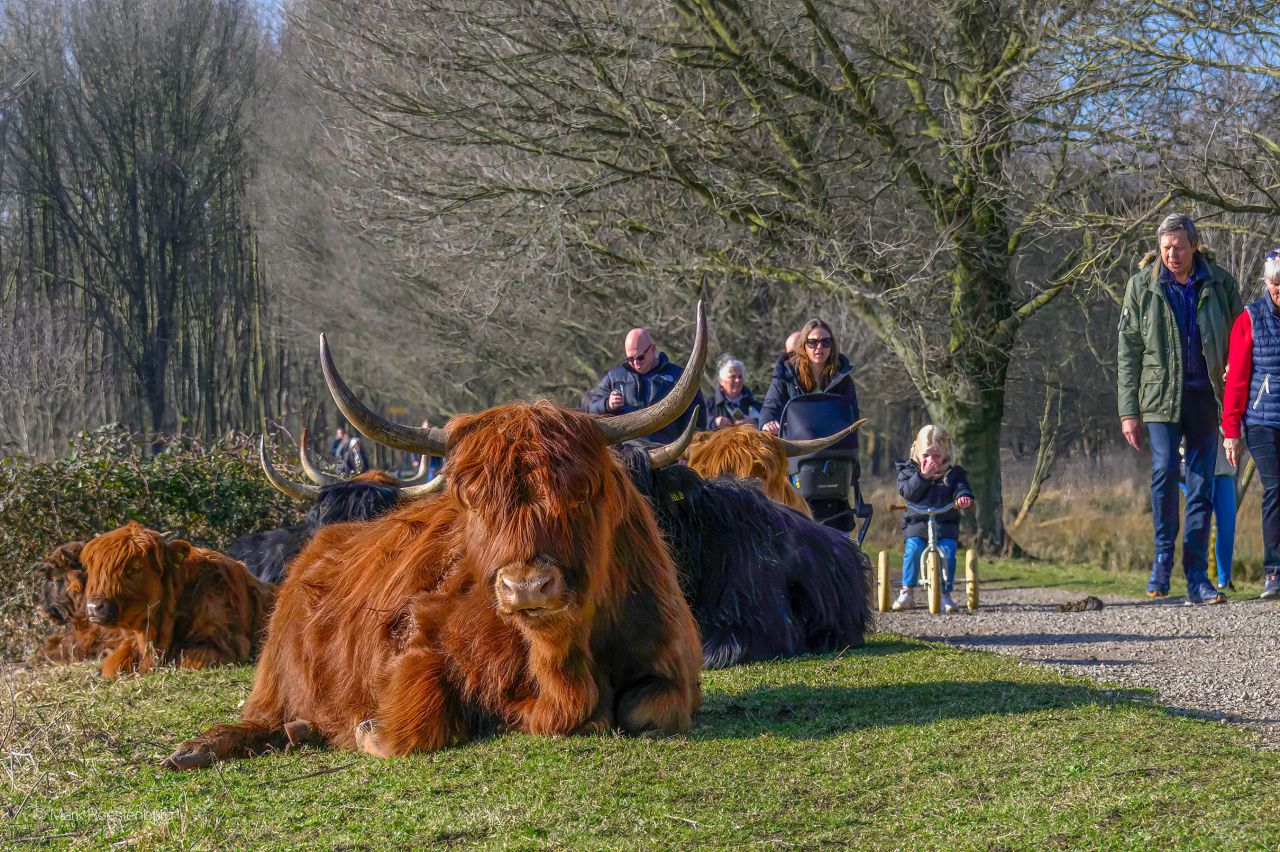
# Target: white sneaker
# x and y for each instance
(948, 605)
(905, 599)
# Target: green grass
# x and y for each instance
(899, 744)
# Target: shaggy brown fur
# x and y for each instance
(63, 602)
(747, 453)
(177, 602)
(535, 594)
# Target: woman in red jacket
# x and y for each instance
(1252, 397)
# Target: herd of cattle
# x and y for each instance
(558, 577)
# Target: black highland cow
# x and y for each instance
(763, 580)
(362, 498)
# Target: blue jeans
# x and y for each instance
(1264, 446)
(1199, 429)
(1224, 515)
(915, 546)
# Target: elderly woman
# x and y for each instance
(1251, 398)
(734, 404)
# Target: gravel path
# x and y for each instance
(1220, 661)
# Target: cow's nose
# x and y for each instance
(530, 592)
(100, 610)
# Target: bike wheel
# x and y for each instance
(931, 571)
(971, 579)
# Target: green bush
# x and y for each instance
(206, 494)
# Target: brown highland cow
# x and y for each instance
(535, 594)
(176, 602)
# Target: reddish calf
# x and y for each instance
(175, 602)
(63, 602)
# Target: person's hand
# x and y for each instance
(932, 467)
(1132, 430)
(615, 401)
(1232, 446)
(721, 422)
(771, 427)
(964, 502)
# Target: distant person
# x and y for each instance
(1170, 358)
(733, 404)
(352, 457)
(930, 480)
(1253, 399)
(644, 377)
(339, 443)
(793, 340)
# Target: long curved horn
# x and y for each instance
(431, 441)
(422, 475)
(665, 455)
(817, 445)
(315, 474)
(635, 424)
(435, 486)
(296, 490)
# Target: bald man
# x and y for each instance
(793, 340)
(643, 378)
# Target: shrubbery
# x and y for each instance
(206, 494)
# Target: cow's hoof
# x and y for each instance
(189, 756)
(298, 731)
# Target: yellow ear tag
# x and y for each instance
(676, 496)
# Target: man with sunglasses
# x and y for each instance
(644, 377)
(1174, 328)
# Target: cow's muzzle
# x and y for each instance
(530, 590)
(101, 610)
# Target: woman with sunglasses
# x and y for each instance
(816, 366)
(1251, 404)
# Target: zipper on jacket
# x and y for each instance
(1265, 387)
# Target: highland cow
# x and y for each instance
(361, 498)
(175, 602)
(63, 602)
(746, 452)
(763, 581)
(534, 594)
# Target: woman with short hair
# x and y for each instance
(734, 405)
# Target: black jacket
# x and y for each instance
(643, 390)
(745, 408)
(933, 493)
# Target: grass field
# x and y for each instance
(896, 745)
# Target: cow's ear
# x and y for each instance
(72, 549)
(176, 552)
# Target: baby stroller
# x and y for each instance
(826, 479)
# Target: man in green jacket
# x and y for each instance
(1172, 354)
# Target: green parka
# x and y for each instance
(1149, 353)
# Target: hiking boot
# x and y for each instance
(1158, 583)
(1271, 589)
(948, 605)
(905, 600)
(1203, 593)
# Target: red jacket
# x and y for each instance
(1235, 392)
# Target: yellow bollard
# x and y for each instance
(971, 578)
(882, 582)
(935, 584)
